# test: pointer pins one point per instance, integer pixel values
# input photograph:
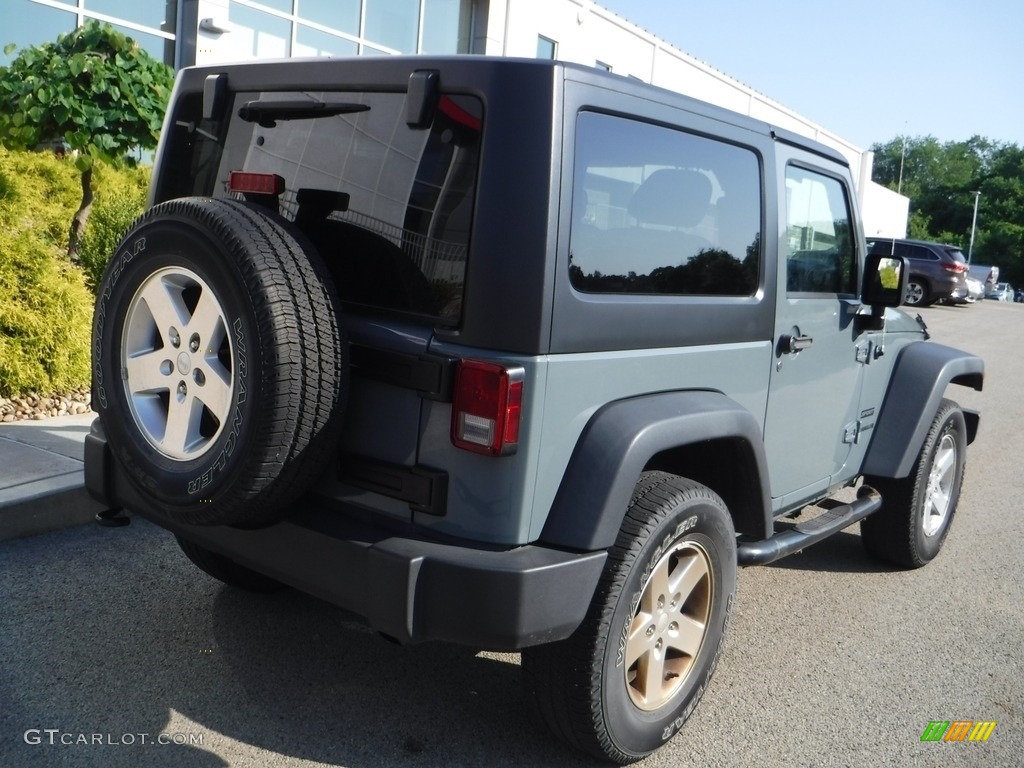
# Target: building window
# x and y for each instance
(148, 14)
(342, 15)
(151, 25)
(32, 25)
(446, 26)
(315, 42)
(546, 48)
(260, 34)
(392, 23)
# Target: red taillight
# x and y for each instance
(486, 407)
(255, 183)
(956, 267)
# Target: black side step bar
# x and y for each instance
(810, 532)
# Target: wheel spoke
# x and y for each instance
(165, 305)
(182, 423)
(651, 675)
(944, 462)
(207, 321)
(938, 504)
(689, 572)
(144, 373)
(215, 394)
(688, 638)
(639, 641)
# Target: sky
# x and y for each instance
(869, 71)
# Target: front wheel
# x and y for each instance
(917, 510)
(625, 682)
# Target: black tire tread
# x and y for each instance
(551, 672)
(302, 357)
(889, 535)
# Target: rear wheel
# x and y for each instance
(629, 677)
(219, 369)
(917, 292)
(917, 510)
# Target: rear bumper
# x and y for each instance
(407, 588)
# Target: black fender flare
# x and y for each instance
(919, 379)
(618, 443)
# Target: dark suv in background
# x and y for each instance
(937, 272)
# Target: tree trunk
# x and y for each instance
(81, 217)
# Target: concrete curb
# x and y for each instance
(46, 505)
(42, 483)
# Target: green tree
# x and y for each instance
(940, 180)
(94, 90)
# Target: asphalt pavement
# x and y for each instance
(111, 642)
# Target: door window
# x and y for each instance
(819, 241)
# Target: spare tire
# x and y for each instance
(219, 369)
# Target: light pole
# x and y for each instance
(974, 221)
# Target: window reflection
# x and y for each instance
(314, 42)
(337, 14)
(393, 23)
(158, 14)
(661, 211)
(32, 25)
(260, 34)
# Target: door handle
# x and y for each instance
(790, 345)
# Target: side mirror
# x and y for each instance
(885, 282)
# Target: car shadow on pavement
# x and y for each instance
(840, 553)
(113, 634)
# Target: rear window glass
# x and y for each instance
(661, 211)
(389, 207)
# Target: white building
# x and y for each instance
(184, 32)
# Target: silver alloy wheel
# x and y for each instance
(915, 293)
(177, 363)
(669, 626)
(938, 496)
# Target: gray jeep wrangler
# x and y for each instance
(513, 354)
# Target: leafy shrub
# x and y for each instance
(46, 310)
(45, 318)
(38, 193)
(120, 199)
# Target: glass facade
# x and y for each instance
(349, 27)
(260, 28)
(151, 23)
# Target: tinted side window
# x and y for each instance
(820, 252)
(661, 211)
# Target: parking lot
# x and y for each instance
(111, 642)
